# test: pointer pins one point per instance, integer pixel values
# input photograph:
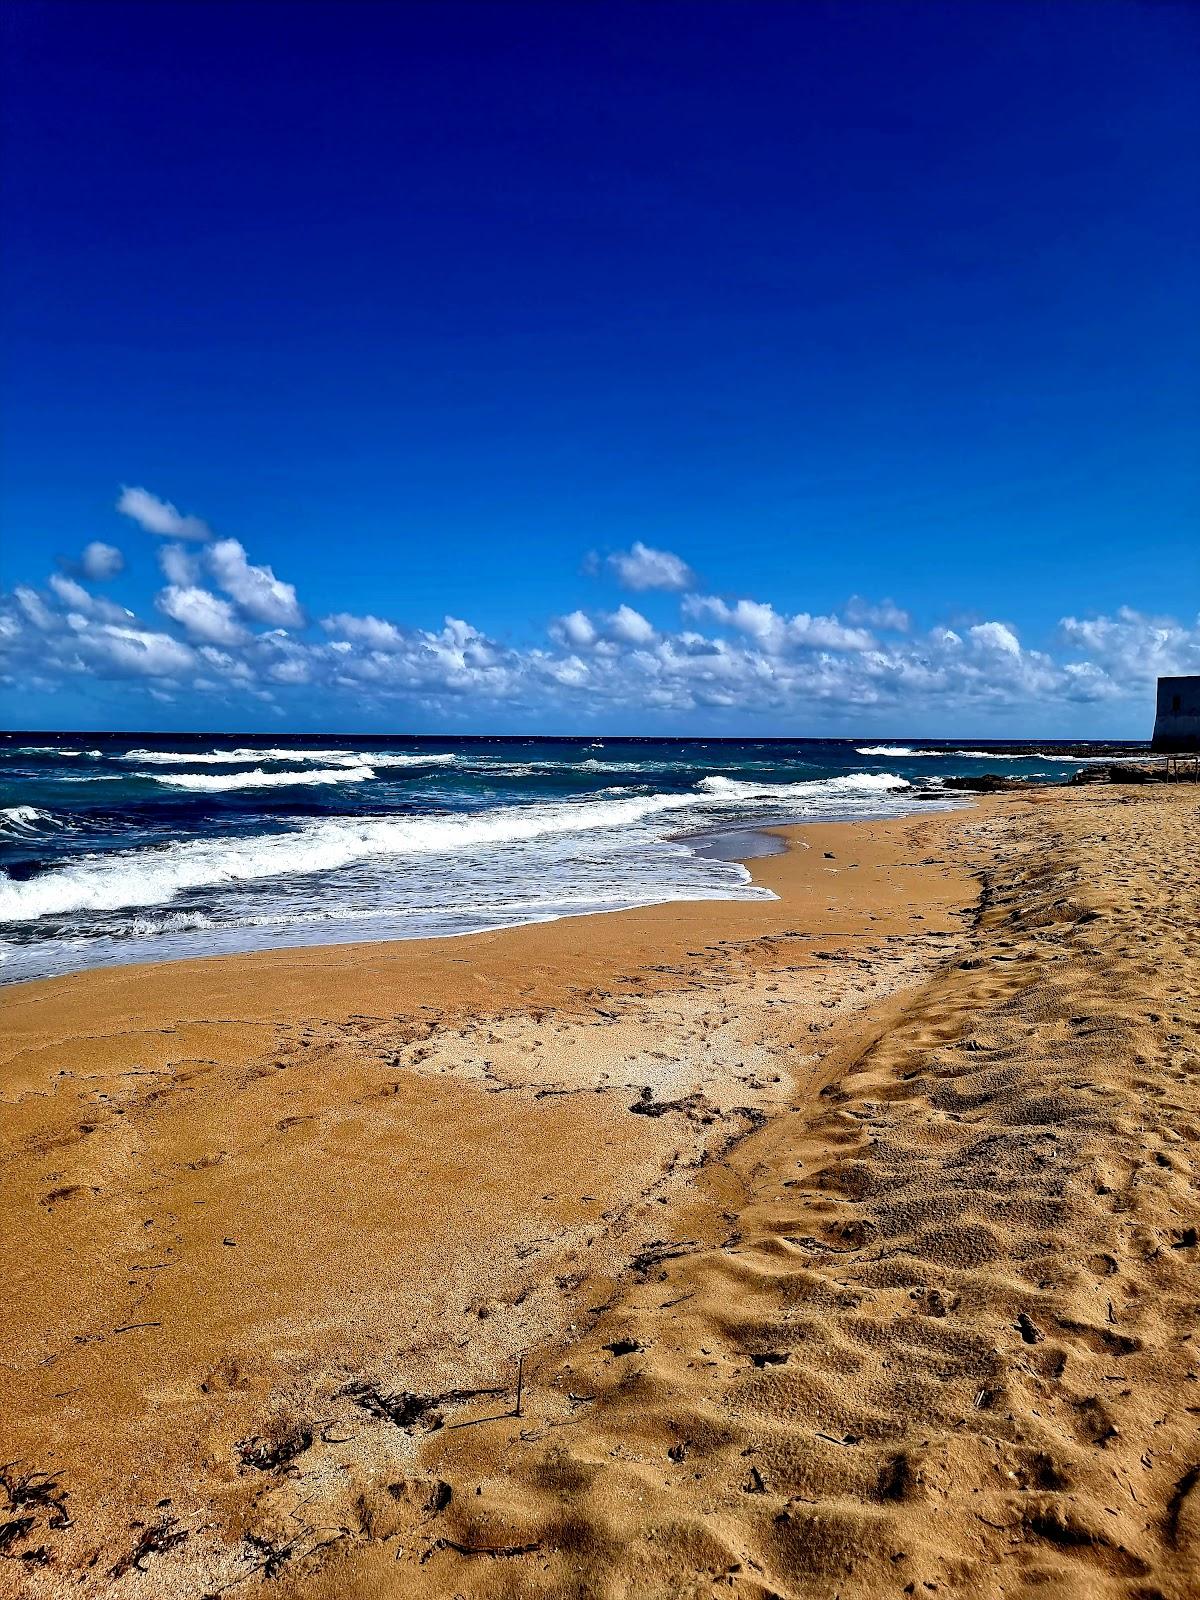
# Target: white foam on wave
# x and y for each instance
(234, 758)
(23, 819)
(157, 876)
(512, 769)
(220, 782)
(592, 765)
(242, 757)
(1107, 760)
(909, 754)
(1032, 755)
(151, 927)
(989, 755)
(397, 758)
(815, 789)
(484, 768)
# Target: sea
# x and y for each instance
(131, 847)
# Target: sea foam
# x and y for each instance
(233, 758)
(17, 820)
(220, 782)
(852, 783)
(243, 757)
(158, 875)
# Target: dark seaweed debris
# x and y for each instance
(272, 1455)
(155, 1540)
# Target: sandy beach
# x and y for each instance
(843, 1243)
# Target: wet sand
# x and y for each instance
(844, 1243)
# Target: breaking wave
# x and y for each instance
(220, 782)
(156, 876)
(234, 758)
(1113, 761)
(18, 820)
(853, 783)
(215, 850)
(903, 751)
(241, 758)
(385, 758)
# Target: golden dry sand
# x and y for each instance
(848, 1241)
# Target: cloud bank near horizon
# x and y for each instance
(231, 633)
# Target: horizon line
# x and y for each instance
(627, 738)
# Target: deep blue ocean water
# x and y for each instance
(135, 848)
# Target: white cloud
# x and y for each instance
(776, 632)
(257, 591)
(205, 616)
(827, 633)
(630, 626)
(645, 568)
(572, 672)
(885, 614)
(101, 561)
(70, 592)
(81, 600)
(139, 653)
(160, 516)
(179, 566)
(370, 630)
(1136, 648)
(459, 660)
(761, 621)
(293, 670)
(743, 661)
(575, 629)
(228, 666)
(34, 607)
(996, 636)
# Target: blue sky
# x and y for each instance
(438, 312)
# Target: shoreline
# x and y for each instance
(737, 844)
(403, 905)
(783, 837)
(283, 1222)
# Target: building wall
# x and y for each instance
(1177, 722)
